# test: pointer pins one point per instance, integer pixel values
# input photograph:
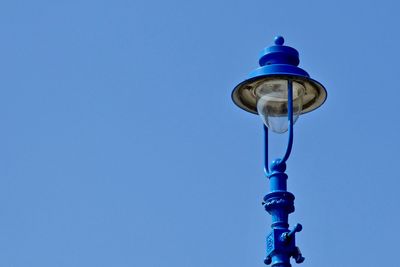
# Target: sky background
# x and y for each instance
(120, 145)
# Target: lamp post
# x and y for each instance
(279, 92)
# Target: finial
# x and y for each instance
(279, 54)
(279, 40)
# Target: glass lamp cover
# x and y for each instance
(272, 103)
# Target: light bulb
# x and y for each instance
(272, 103)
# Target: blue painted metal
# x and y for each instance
(277, 162)
(290, 121)
(279, 62)
(266, 162)
(281, 244)
(279, 59)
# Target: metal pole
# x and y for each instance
(281, 244)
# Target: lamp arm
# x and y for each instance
(290, 121)
(290, 138)
(266, 168)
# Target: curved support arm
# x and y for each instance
(266, 163)
(290, 138)
(290, 122)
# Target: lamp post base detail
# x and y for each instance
(281, 242)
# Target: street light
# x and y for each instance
(279, 92)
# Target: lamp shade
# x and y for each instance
(278, 65)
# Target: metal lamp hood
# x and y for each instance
(278, 62)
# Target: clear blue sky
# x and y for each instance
(120, 146)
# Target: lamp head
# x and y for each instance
(265, 92)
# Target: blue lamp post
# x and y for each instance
(279, 92)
